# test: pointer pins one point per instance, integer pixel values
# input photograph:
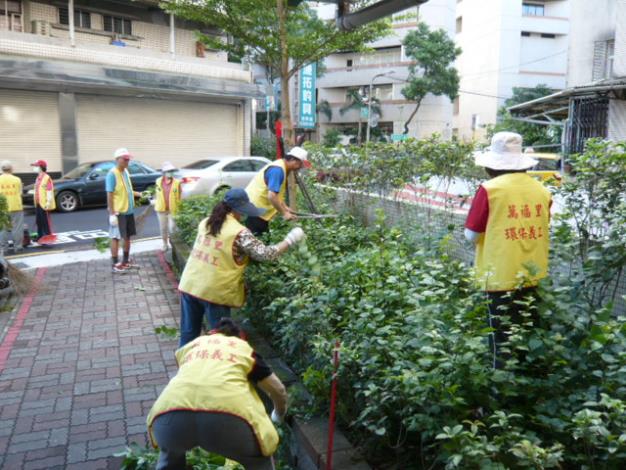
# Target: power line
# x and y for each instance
(514, 66)
(484, 94)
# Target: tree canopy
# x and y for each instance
(434, 53)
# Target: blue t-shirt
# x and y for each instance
(274, 177)
(110, 187)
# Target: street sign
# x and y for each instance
(269, 103)
(364, 112)
(398, 137)
(307, 96)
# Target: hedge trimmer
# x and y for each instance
(307, 197)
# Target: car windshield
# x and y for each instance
(78, 172)
(200, 164)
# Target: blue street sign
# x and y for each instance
(307, 116)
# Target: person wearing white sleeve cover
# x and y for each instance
(213, 279)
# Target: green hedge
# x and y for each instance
(416, 386)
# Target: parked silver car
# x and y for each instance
(217, 173)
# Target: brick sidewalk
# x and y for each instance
(85, 366)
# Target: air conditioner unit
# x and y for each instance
(40, 27)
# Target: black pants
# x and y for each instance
(230, 436)
(257, 225)
(42, 220)
(506, 303)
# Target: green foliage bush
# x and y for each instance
(416, 385)
(384, 167)
(191, 211)
(5, 217)
(263, 147)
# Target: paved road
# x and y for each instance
(81, 227)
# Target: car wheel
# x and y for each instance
(67, 201)
(221, 189)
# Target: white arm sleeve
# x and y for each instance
(471, 236)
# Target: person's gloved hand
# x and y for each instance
(49, 200)
(152, 202)
(294, 236)
(113, 220)
(276, 418)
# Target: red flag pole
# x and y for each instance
(333, 406)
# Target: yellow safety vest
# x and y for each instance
(516, 242)
(213, 376)
(174, 198)
(120, 194)
(257, 190)
(41, 193)
(11, 189)
(211, 272)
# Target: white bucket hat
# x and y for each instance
(167, 166)
(122, 153)
(505, 153)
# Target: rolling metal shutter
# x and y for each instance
(157, 130)
(29, 129)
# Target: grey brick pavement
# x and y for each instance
(86, 366)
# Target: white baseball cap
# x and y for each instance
(122, 153)
(167, 166)
(505, 153)
(300, 154)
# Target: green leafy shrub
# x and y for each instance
(331, 138)
(5, 217)
(263, 147)
(191, 211)
(416, 386)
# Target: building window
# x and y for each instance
(383, 92)
(525, 34)
(349, 64)
(459, 24)
(548, 36)
(381, 56)
(11, 16)
(533, 9)
(115, 24)
(82, 19)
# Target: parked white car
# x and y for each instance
(214, 174)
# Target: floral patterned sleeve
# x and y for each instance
(247, 244)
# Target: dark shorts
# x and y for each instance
(126, 224)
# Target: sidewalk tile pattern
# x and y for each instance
(86, 366)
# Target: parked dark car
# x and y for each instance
(84, 185)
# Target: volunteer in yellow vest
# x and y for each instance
(166, 201)
(212, 281)
(121, 206)
(268, 189)
(43, 198)
(11, 189)
(212, 403)
(509, 223)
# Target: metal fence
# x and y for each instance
(419, 218)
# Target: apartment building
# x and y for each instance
(76, 85)
(387, 68)
(507, 44)
(594, 104)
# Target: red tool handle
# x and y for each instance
(333, 406)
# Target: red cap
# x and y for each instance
(40, 163)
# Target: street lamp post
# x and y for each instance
(369, 102)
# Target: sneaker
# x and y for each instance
(130, 265)
(119, 268)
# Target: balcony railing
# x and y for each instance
(48, 48)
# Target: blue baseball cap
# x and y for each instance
(239, 201)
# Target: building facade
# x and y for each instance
(349, 71)
(507, 44)
(117, 74)
(594, 104)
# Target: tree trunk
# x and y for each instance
(285, 105)
(408, 121)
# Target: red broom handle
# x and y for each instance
(333, 406)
